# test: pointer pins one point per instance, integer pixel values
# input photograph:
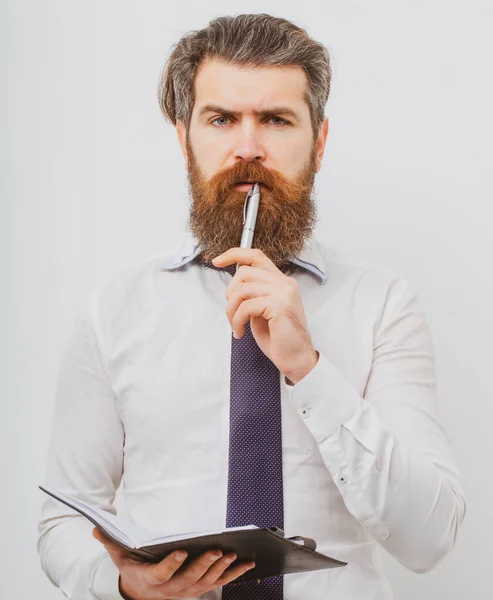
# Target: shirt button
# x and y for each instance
(304, 412)
(307, 452)
(342, 478)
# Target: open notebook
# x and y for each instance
(272, 552)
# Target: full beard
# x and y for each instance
(286, 216)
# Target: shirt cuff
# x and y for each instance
(105, 583)
(324, 399)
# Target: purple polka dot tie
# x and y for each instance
(255, 491)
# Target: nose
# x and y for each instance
(247, 145)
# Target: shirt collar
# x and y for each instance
(310, 258)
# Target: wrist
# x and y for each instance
(302, 371)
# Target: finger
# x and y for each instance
(264, 306)
(209, 579)
(191, 573)
(245, 280)
(245, 291)
(234, 572)
(245, 256)
(164, 570)
(245, 273)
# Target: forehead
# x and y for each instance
(241, 88)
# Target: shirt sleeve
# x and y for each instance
(85, 459)
(387, 451)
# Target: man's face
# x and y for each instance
(251, 124)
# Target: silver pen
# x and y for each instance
(250, 210)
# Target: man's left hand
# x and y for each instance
(271, 300)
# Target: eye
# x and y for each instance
(280, 121)
(219, 124)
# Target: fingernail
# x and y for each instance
(228, 561)
(215, 556)
(180, 555)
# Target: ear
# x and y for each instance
(182, 138)
(321, 141)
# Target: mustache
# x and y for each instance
(242, 171)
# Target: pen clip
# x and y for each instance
(248, 196)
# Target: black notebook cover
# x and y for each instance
(272, 553)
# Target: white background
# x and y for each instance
(93, 180)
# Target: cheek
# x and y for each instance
(289, 156)
(210, 154)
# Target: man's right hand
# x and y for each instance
(160, 581)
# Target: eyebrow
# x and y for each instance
(268, 112)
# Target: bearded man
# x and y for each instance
(283, 385)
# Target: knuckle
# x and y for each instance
(163, 571)
(159, 575)
(189, 577)
(214, 572)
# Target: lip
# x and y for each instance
(245, 187)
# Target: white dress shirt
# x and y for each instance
(143, 393)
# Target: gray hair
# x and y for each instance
(249, 40)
